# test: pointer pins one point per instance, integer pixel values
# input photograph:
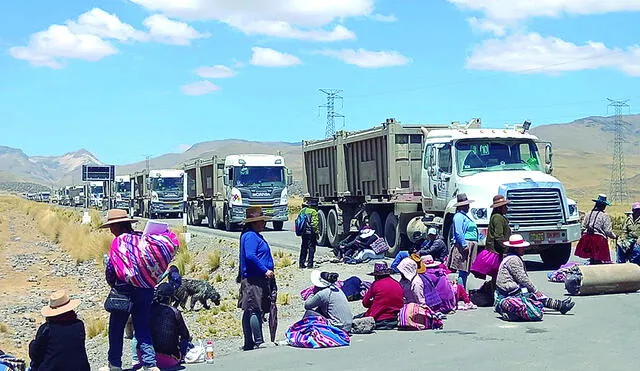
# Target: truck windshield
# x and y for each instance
(123, 187)
(263, 176)
(167, 184)
(97, 190)
(473, 156)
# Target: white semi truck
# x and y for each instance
(394, 176)
(158, 193)
(221, 189)
(123, 191)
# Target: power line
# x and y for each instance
(332, 95)
(619, 190)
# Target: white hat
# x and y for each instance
(317, 280)
(367, 232)
(516, 240)
(432, 231)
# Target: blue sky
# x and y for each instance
(126, 78)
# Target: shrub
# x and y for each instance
(213, 261)
(182, 259)
(283, 299)
(3, 328)
(218, 278)
(95, 327)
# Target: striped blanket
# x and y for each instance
(520, 306)
(315, 332)
(414, 316)
(141, 260)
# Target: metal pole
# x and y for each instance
(184, 199)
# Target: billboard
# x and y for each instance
(98, 173)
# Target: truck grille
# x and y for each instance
(535, 207)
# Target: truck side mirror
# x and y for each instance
(289, 172)
(548, 158)
(432, 161)
(289, 180)
(225, 179)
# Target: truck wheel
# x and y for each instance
(556, 255)
(375, 221)
(227, 220)
(392, 235)
(322, 225)
(333, 232)
(277, 225)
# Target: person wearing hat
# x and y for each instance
(384, 299)
(513, 303)
(255, 272)
(434, 246)
(464, 239)
(488, 260)
(328, 301)
(627, 250)
(310, 234)
(353, 234)
(366, 237)
(120, 224)
(170, 335)
(412, 285)
(60, 342)
(436, 277)
(596, 228)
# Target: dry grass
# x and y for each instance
(294, 205)
(232, 264)
(283, 299)
(183, 260)
(220, 321)
(218, 278)
(62, 226)
(203, 276)
(95, 327)
(4, 231)
(3, 328)
(283, 259)
(213, 261)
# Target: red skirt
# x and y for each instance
(593, 246)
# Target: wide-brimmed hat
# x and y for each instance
(429, 262)
(322, 279)
(462, 200)
(635, 206)
(59, 303)
(367, 232)
(115, 216)
(381, 269)
(421, 267)
(499, 200)
(602, 199)
(255, 214)
(516, 240)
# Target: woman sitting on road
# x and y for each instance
(412, 284)
(513, 302)
(384, 299)
(329, 301)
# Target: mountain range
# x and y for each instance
(582, 156)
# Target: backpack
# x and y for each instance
(303, 224)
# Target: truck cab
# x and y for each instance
(122, 189)
(487, 162)
(166, 190)
(256, 180)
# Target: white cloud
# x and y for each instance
(510, 10)
(105, 25)
(199, 88)
(366, 58)
(215, 72)
(50, 47)
(487, 26)
(285, 30)
(293, 19)
(533, 53)
(384, 18)
(165, 30)
(267, 57)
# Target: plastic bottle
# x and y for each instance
(209, 351)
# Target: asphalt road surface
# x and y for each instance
(600, 333)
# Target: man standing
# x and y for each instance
(628, 249)
(309, 234)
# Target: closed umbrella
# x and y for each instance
(273, 309)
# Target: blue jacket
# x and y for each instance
(460, 224)
(255, 255)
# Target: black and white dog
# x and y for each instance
(199, 291)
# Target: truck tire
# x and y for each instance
(333, 232)
(228, 226)
(322, 225)
(392, 235)
(556, 255)
(375, 221)
(277, 225)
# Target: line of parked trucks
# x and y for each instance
(397, 178)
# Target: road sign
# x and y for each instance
(98, 173)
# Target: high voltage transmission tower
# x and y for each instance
(332, 95)
(619, 190)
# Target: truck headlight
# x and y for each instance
(480, 213)
(284, 197)
(154, 196)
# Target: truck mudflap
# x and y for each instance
(567, 234)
